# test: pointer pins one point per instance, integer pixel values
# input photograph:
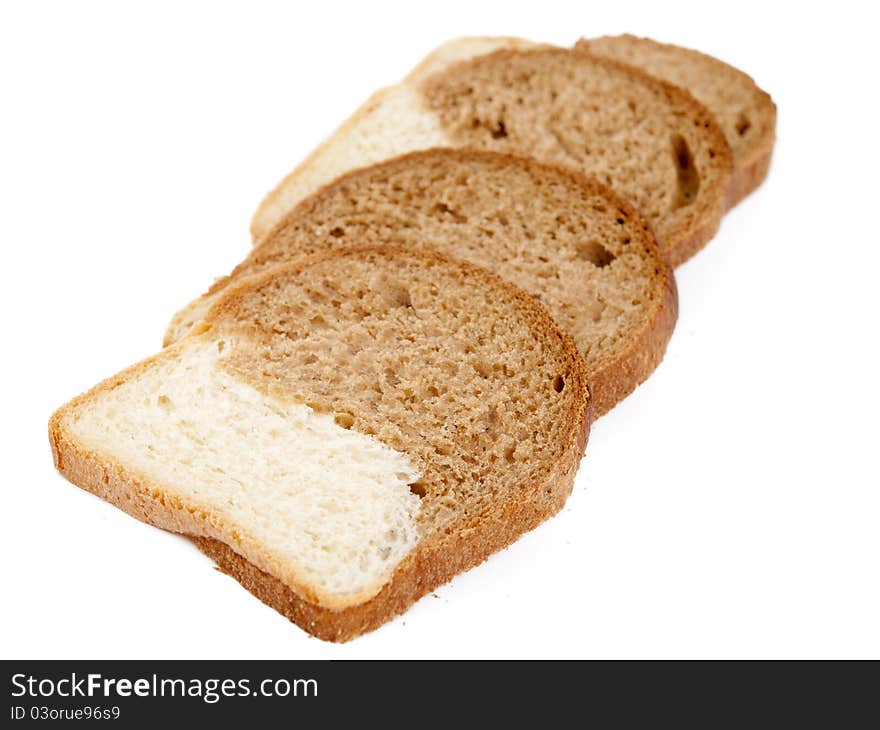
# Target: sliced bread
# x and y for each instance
(649, 140)
(745, 112)
(573, 243)
(346, 432)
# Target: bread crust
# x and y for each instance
(621, 377)
(131, 491)
(259, 226)
(434, 562)
(435, 559)
(748, 176)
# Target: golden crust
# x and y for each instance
(434, 561)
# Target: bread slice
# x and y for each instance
(360, 426)
(649, 140)
(572, 242)
(745, 112)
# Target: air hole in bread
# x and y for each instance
(165, 402)
(344, 420)
(688, 177)
(500, 131)
(444, 209)
(595, 253)
(743, 124)
(418, 489)
(337, 232)
(482, 369)
(401, 296)
(558, 383)
(220, 345)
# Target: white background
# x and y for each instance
(729, 508)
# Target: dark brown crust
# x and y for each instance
(434, 561)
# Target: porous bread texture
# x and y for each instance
(390, 123)
(584, 252)
(744, 111)
(332, 507)
(649, 140)
(438, 359)
(464, 376)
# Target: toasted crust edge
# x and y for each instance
(443, 558)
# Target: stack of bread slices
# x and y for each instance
(399, 377)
